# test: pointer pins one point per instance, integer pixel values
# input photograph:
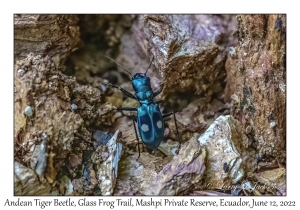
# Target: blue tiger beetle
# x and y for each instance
(150, 120)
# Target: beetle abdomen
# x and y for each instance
(151, 125)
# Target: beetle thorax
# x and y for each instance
(142, 88)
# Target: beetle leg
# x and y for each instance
(136, 135)
(126, 109)
(121, 89)
(158, 102)
(133, 117)
(158, 92)
(177, 133)
(167, 119)
(168, 114)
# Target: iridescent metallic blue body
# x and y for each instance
(149, 118)
(151, 125)
(150, 121)
(142, 88)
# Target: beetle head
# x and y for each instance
(138, 76)
(140, 80)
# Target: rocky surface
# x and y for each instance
(274, 179)
(27, 182)
(256, 81)
(60, 112)
(70, 140)
(44, 34)
(189, 51)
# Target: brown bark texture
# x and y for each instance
(189, 50)
(53, 35)
(256, 81)
(51, 115)
(228, 92)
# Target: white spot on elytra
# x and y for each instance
(159, 124)
(145, 128)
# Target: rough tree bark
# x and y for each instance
(61, 126)
(256, 82)
(53, 35)
(189, 50)
(52, 112)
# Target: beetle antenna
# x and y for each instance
(119, 65)
(149, 65)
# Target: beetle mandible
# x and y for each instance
(149, 119)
